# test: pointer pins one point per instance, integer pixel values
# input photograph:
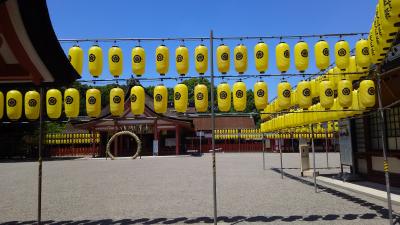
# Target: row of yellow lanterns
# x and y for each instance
(261, 54)
(297, 136)
(234, 134)
(55, 102)
(319, 131)
(54, 136)
(71, 138)
(317, 114)
(334, 81)
(71, 141)
(384, 29)
(302, 96)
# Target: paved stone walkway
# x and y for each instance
(178, 190)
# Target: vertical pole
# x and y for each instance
(326, 146)
(384, 150)
(239, 134)
(263, 150)
(201, 132)
(280, 154)
(213, 127)
(313, 152)
(39, 209)
(177, 140)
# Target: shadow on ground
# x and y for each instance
(380, 210)
(224, 219)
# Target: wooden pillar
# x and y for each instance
(156, 136)
(93, 144)
(177, 139)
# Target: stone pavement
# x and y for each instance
(178, 190)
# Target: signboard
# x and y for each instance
(346, 148)
(155, 147)
(208, 135)
(267, 143)
(200, 133)
(170, 142)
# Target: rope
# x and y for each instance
(138, 148)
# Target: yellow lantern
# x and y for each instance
(182, 60)
(115, 61)
(117, 100)
(71, 102)
(181, 98)
(223, 58)
(342, 54)
(93, 102)
(293, 97)
(372, 50)
(1, 105)
(388, 27)
(160, 99)
(201, 98)
(303, 97)
(239, 96)
(321, 51)
(95, 58)
(345, 91)
(54, 103)
(314, 88)
(366, 93)
(138, 60)
(362, 54)
(32, 105)
(282, 55)
(75, 56)
(326, 94)
(383, 38)
(301, 56)
(240, 53)
(201, 56)
(261, 56)
(260, 95)
(284, 93)
(162, 59)
(352, 70)
(335, 76)
(137, 100)
(390, 10)
(355, 106)
(224, 97)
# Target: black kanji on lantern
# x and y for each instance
(223, 95)
(32, 102)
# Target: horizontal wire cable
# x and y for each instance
(240, 76)
(102, 39)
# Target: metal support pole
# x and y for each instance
(384, 150)
(240, 134)
(201, 133)
(280, 153)
(213, 128)
(326, 147)
(39, 209)
(263, 150)
(313, 152)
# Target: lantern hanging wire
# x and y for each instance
(207, 38)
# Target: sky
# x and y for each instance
(179, 18)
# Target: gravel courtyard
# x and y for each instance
(178, 190)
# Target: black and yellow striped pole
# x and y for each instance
(384, 148)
